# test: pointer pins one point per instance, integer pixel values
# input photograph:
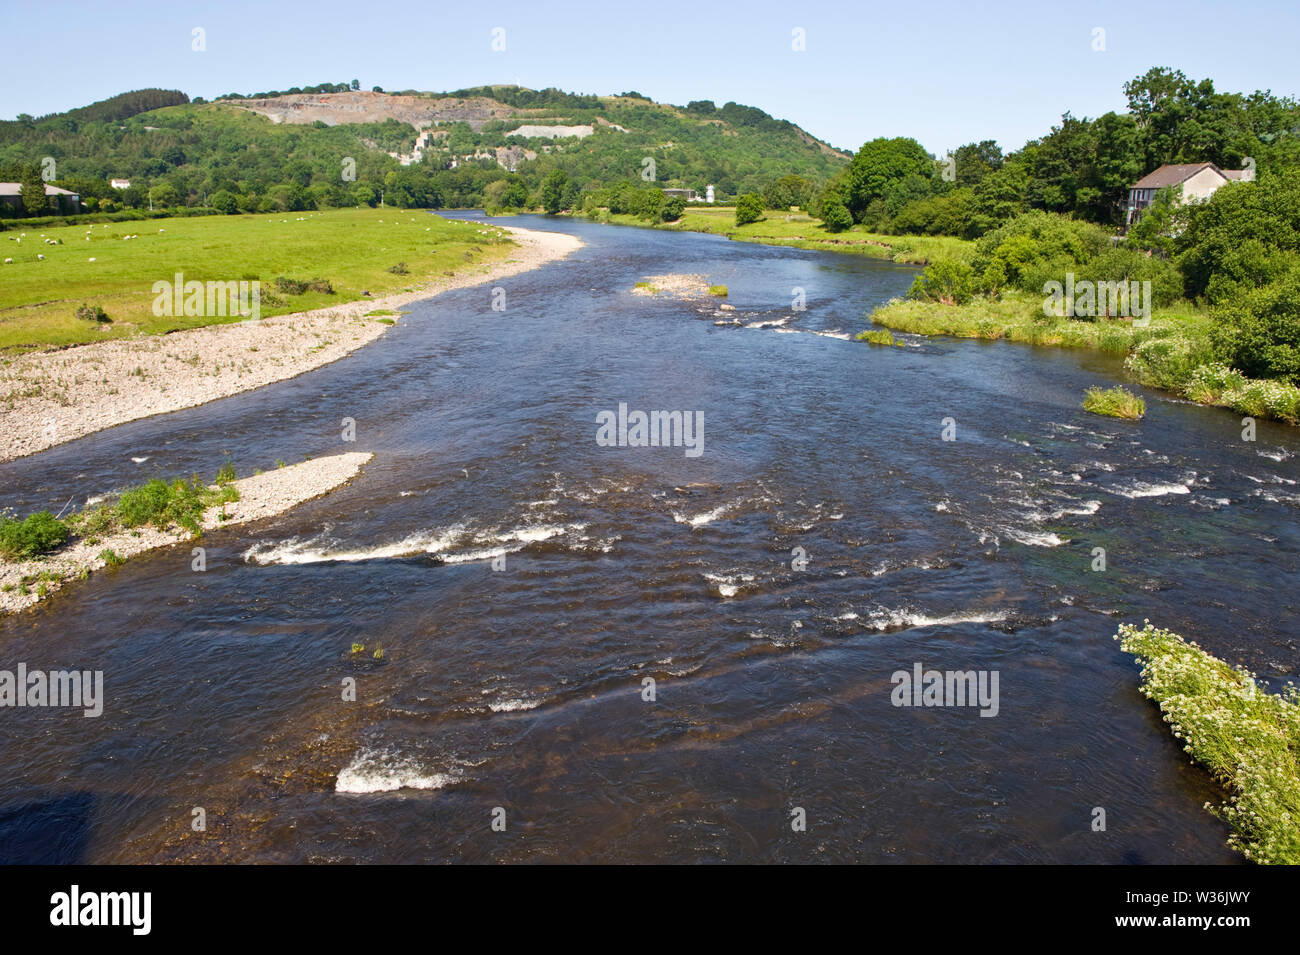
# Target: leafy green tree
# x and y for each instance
(224, 201)
(32, 191)
(879, 166)
(945, 280)
(553, 191)
(1159, 223)
(1258, 333)
(164, 195)
(974, 161)
(835, 215)
(749, 208)
(1241, 238)
(673, 208)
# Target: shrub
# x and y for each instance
(182, 502)
(1265, 399)
(33, 536)
(880, 336)
(835, 215)
(944, 280)
(1247, 737)
(1258, 330)
(1118, 264)
(1167, 363)
(672, 209)
(749, 208)
(290, 286)
(1208, 383)
(1114, 402)
(93, 313)
(1036, 247)
(399, 269)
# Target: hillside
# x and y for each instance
(334, 146)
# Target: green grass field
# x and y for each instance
(353, 249)
(801, 231)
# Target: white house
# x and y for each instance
(1199, 180)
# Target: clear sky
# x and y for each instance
(942, 71)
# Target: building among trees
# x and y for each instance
(1198, 181)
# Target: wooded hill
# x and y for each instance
(288, 149)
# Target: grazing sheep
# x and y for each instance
(9, 261)
(92, 258)
(40, 258)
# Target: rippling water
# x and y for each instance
(521, 688)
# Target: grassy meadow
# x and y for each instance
(351, 249)
(802, 231)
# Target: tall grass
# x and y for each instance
(1247, 737)
(1117, 402)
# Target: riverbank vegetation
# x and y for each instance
(41, 552)
(164, 505)
(1247, 737)
(1117, 402)
(1220, 324)
(302, 262)
(801, 231)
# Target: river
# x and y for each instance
(513, 690)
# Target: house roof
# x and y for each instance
(15, 189)
(1240, 175)
(1167, 175)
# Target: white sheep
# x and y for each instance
(9, 261)
(40, 258)
(92, 258)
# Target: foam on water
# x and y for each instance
(381, 771)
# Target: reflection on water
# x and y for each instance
(525, 582)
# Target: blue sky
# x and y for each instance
(944, 72)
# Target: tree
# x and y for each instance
(974, 161)
(164, 195)
(879, 166)
(749, 208)
(224, 201)
(835, 215)
(673, 208)
(789, 190)
(32, 191)
(553, 191)
(1159, 223)
(356, 84)
(1259, 333)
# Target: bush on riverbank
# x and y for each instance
(161, 504)
(1247, 737)
(33, 536)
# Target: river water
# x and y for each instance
(517, 694)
